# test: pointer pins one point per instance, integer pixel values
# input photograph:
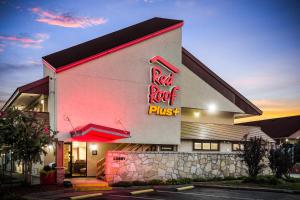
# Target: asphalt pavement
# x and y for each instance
(201, 193)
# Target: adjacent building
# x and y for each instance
(282, 130)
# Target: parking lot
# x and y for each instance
(202, 193)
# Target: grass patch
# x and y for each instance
(259, 181)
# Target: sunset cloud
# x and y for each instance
(26, 42)
(66, 20)
(274, 108)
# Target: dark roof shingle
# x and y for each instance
(109, 41)
(278, 127)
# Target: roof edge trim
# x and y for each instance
(133, 42)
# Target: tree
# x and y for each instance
(26, 137)
(297, 152)
(253, 154)
(281, 160)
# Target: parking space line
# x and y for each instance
(135, 197)
(208, 195)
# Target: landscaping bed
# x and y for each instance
(260, 182)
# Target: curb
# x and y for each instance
(248, 188)
(185, 188)
(86, 196)
(141, 191)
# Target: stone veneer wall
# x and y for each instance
(145, 166)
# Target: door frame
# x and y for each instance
(71, 160)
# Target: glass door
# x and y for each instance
(68, 159)
(75, 159)
(79, 164)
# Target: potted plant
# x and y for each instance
(47, 175)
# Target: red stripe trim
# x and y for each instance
(66, 67)
(48, 65)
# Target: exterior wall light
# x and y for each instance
(197, 114)
(286, 140)
(93, 147)
(212, 108)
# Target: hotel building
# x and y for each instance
(136, 105)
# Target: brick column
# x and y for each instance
(60, 171)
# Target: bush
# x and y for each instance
(47, 168)
(139, 183)
(122, 184)
(229, 178)
(200, 179)
(253, 154)
(179, 181)
(281, 160)
(269, 180)
(155, 182)
(297, 152)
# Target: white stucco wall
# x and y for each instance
(203, 116)
(115, 87)
(196, 93)
(51, 96)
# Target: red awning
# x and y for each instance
(97, 133)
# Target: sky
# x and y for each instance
(253, 45)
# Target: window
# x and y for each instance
(167, 148)
(237, 146)
(206, 146)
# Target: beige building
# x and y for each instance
(134, 90)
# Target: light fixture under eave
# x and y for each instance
(212, 108)
(196, 114)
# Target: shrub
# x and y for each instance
(122, 184)
(253, 154)
(229, 178)
(47, 168)
(139, 183)
(179, 181)
(200, 180)
(155, 182)
(269, 180)
(184, 181)
(297, 151)
(281, 160)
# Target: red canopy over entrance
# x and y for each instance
(97, 133)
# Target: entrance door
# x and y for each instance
(75, 159)
(68, 159)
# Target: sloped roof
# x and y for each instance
(225, 132)
(218, 84)
(279, 127)
(40, 86)
(112, 42)
(105, 44)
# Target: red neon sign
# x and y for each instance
(161, 80)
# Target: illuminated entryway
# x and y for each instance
(75, 159)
